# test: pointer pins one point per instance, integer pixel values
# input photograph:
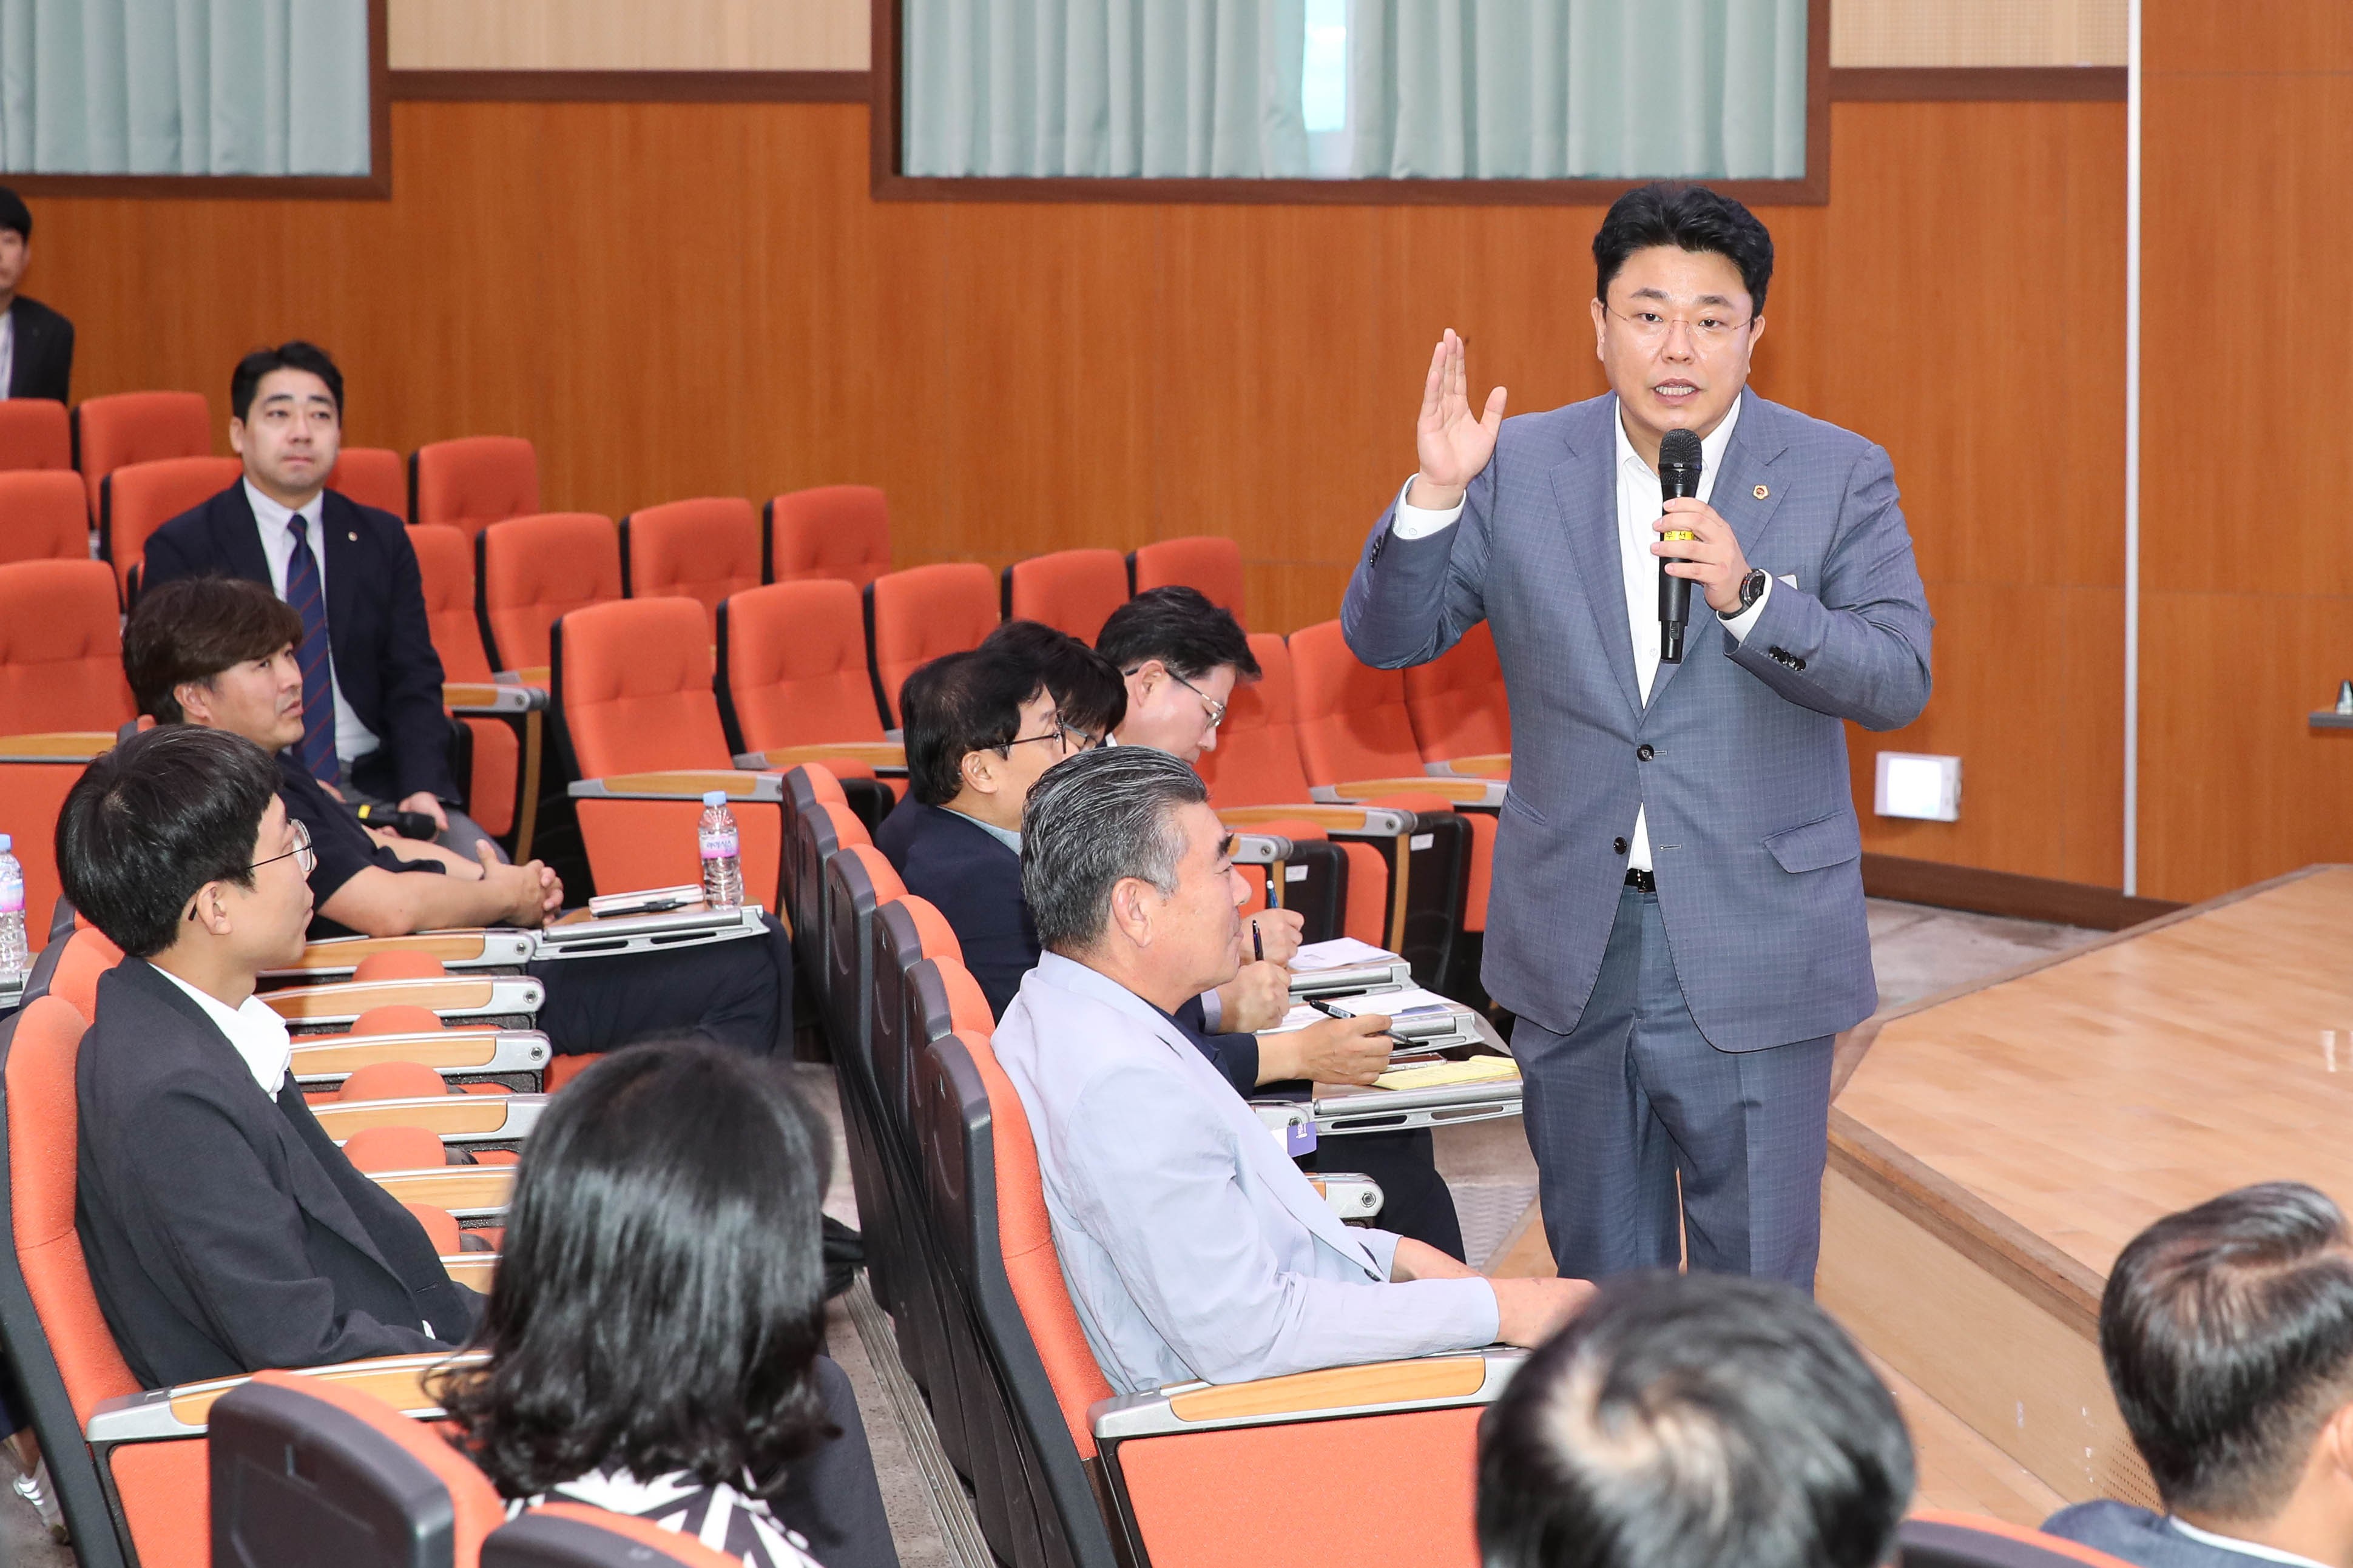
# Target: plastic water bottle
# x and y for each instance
(14, 957)
(722, 862)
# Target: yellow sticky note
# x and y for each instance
(1442, 1075)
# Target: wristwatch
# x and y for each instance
(1752, 588)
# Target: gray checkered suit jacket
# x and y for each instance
(1752, 820)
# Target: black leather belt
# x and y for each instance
(1646, 881)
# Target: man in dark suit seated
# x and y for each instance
(2228, 1334)
(224, 1230)
(981, 729)
(36, 343)
(218, 653)
(372, 724)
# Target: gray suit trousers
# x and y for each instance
(1633, 1103)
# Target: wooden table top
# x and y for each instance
(2119, 1083)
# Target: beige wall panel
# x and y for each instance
(1978, 32)
(629, 34)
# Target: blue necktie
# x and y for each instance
(318, 747)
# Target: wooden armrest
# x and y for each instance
(1380, 1388)
(885, 754)
(1349, 1195)
(540, 675)
(1459, 792)
(319, 1059)
(491, 696)
(683, 783)
(1493, 765)
(466, 1191)
(1359, 821)
(475, 1271)
(453, 995)
(166, 1414)
(474, 948)
(463, 1117)
(56, 746)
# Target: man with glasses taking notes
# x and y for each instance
(1674, 1093)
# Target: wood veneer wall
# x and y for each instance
(2247, 606)
(676, 300)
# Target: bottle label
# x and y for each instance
(719, 845)
(12, 898)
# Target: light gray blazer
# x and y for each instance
(1192, 1245)
(1752, 822)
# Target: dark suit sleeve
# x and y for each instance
(221, 1226)
(60, 376)
(1234, 1055)
(417, 729)
(167, 555)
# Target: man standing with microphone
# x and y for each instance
(1677, 919)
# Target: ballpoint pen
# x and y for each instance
(1258, 942)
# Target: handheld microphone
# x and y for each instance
(1679, 465)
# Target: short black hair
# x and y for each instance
(1689, 217)
(1693, 1421)
(151, 822)
(15, 215)
(192, 628)
(295, 356)
(1178, 627)
(1094, 821)
(1089, 692)
(660, 1301)
(2228, 1334)
(958, 704)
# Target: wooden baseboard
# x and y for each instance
(2006, 893)
(629, 87)
(1977, 84)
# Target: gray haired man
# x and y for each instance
(1193, 1248)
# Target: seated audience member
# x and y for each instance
(1693, 1421)
(2228, 1334)
(655, 1324)
(218, 653)
(372, 724)
(1182, 656)
(36, 344)
(1192, 1247)
(224, 1229)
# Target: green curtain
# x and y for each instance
(1542, 89)
(1140, 87)
(183, 86)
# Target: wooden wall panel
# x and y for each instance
(1932, 33)
(676, 300)
(629, 35)
(2247, 619)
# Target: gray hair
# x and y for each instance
(1094, 821)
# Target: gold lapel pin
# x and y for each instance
(355, 538)
(1760, 492)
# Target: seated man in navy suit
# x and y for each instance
(2228, 1334)
(224, 1229)
(981, 729)
(372, 724)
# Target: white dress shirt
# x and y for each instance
(352, 739)
(1639, 506)
(257, 1033)
(2245, 1548)
(7, 347)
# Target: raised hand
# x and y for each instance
(1452, 443)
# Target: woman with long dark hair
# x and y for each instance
(655, 1326)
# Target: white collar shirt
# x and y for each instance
(257, 1034)
(272, 522)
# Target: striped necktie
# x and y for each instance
(303, 591)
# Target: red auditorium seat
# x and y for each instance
(1208, 562)
(1073, 591)
(35, 433)
(1458, 703)
(43, 515)
(833, 531)
(632, 684)
(505, 789)
(372, 475)
(473, 481)
(137, 498)
(704, 549)
(529, 572)
(794, 685)
(137, 427)
(914, 617)
(62, 697)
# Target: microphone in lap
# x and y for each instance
(1679, 465)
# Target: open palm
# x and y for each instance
(1453, 442)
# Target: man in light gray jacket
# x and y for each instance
(1677, 914)
(1194, 1248)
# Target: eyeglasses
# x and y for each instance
(1072, 740)
(302, 855)
(1708, 333)
(1217, 708)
